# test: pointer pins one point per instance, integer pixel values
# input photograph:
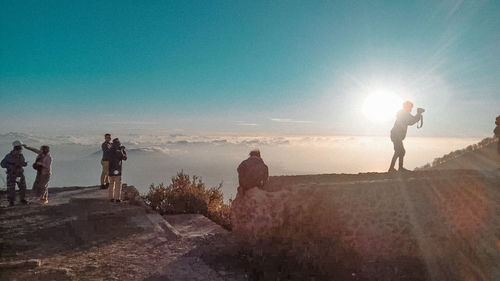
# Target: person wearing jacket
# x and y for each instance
(117, 154)
(105, 146)
(43, 167)
(398, 133)
(252, 172)
(14, 163)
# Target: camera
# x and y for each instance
(420, 110)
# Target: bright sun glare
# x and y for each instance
(381, 106)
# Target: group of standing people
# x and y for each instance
(111, 176)
(251, 172)
(14, 162)
(113, 153)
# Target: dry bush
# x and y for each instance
(188, 195)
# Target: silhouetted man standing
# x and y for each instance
(252, 172)
(398, 133)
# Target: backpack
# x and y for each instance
(3, 164)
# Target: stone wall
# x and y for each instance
(442, 225)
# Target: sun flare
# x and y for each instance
(381, 106)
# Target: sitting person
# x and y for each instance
(252, 172)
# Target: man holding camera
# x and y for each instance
(14, 163)
(116, 155)
(398, 133)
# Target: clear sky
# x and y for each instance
(249, 67)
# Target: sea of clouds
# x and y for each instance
(156, 158)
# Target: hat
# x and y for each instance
(17, 143)
(255, 152)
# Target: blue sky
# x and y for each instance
(249, 67)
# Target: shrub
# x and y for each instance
(188, 195)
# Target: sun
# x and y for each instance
(381, 106)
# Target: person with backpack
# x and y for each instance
(497, 132)
(117, 154)
(43, 167)
(252, 172)
(105, 146)
(14, 163)
(398, 133)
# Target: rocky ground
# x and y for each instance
(80, 235)
(451, 217)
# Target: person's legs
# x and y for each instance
(393, 161)
(44, 188)
(401, 155)
(397, 152)
(111, 188)
(11, 188)
(118, 188)
(105, 173)
(36, 185)
(22, 188)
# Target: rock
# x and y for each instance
(131, 194)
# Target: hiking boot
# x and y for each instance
(11, 203)
(118, 200)
(24, 202)
(103, 186)
(392, 170)
(403, 170)
(107, 184)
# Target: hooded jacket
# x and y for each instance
(116, 156)
(15, 163)
(253, 172)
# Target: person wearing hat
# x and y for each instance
(43, 167)
(252, 172)
(398, 133)
(497, 132)
(117, 154)
(14, 163)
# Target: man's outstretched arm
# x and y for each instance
(37, 151)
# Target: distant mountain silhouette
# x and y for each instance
(141, 150)
(480, 156)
